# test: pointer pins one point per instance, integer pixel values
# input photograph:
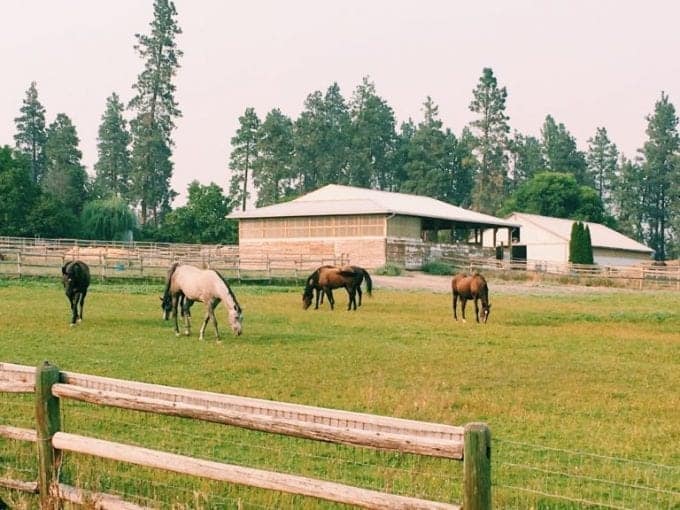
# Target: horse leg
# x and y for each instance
(214, 319)
(463, 302)
(208, 313)
(319, 294)
(175, 302)
(82, 305)
(359, 292)
(73, 298)
(476, 310)
(455, 305)
(331, 299)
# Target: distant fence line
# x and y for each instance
(111, 260)
(470, 444)
(638, 276)
(114, 259)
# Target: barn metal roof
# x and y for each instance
(600, 235)
(335, 199)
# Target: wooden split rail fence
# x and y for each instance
(470, 444)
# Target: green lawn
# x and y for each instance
(581, 391)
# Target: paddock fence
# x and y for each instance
(643, 276)
(54, 389)
(110, 260)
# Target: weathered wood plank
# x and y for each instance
(17, 485)
(434, 447)
(18, 434)
(296, 412)
(328, 491)
(95, 500)
(16, 387)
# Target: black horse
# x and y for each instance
(75, 276)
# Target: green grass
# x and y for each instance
(566, 383)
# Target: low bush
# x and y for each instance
(390, 269)
(438, 267)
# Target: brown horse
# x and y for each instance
(470, 287)
(327, 278)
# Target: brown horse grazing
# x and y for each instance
(327, 278)
(470, 287)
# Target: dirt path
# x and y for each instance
(415, 280)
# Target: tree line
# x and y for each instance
(488, 166)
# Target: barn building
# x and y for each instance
(543, 238)
(366, 227)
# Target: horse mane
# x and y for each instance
(231, 293)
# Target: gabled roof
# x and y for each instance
(600, 235)
(334, 199)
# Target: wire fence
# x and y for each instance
(524, 474)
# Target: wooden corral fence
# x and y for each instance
(471, 444)
(110, 260)
(638, 276)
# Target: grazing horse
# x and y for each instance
(327, 278)
(75, 276)
(187, 284)
(470, 287)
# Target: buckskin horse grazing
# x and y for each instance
(205, 285)
(75, 276)
(327, 278)
(470, 287)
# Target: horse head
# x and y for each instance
(486, 310)
(166, 305)
(308, 294)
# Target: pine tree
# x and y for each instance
(273, 173)
(112, 169)
(561, 153)
(527, 159)
(587, 247)
(373, 138)
(31, 136)
(602, 158)
(322, 135)
(491, 132)
(65, 177)
(629, 199)
(660, 171)
(243, 155)
(156, 109)
(574, 241)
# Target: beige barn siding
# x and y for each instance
(359, 238)
(404, 227)
(310, 227)
(613, 257)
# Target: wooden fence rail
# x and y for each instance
(471, 443)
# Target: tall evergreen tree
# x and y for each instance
(602, 158)
(373, 138)
(437, 164)
(273, 173)
(491, 129)
(155, 107)
(65, 178)
(405, 136)
(31, 136)
(660, 171)
(629, 199)
(322, 137)
(112, 169)
(526, 155)
(18, 192)
(561, 153)
(243, 156)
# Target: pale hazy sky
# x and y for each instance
(587, 63)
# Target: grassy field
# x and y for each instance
(581, 391)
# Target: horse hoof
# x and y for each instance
(72, 324)
(464, 320)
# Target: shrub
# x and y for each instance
(390, 269)
(437, 267)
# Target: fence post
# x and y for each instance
(47, 424)
(477, 467)
(19, 264)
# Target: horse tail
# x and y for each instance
(369, 282)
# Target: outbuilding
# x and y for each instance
(367, 227)
(544, 238)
